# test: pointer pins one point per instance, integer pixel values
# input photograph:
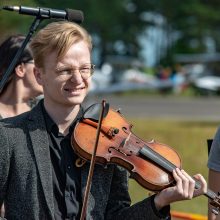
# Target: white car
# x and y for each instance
(207, 85)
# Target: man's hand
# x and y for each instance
(183, 190)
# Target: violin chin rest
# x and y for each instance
(93, 111)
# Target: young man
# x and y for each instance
(38, 175)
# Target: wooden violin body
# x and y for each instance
(149, 163)
(117, 144)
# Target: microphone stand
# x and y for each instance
(12, 65)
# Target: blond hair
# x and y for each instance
(59, 37)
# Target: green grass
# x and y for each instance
(189, 139)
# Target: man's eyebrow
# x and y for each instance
(63, 65)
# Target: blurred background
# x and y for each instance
(170, 46)
(160, 49)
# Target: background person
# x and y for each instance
(38, 175)
(22, 86)
(214, 171)
(20, 89)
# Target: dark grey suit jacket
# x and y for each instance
(26, 177)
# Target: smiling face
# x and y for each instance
(59, 89)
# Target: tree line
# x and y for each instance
(117, 25)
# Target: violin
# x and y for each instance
(149, 163)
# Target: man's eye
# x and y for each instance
(85, 70)
(65, 71)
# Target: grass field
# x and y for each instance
(189, 139)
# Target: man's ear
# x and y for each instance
(20, 70)
(38, 75)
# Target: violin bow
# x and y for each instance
(92, 163)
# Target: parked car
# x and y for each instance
(207, 85)
(205, 79)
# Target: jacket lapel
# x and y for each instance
(40, 143)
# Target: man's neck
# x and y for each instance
(62, 116)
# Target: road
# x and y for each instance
(184, 108)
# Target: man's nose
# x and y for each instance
(76, 76)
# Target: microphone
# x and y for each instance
(67, 14)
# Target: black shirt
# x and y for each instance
(66, 176)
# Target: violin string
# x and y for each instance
(157, 158)
(164, 163)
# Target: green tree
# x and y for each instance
(117, 25)
(12, 22)
(114, 24)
